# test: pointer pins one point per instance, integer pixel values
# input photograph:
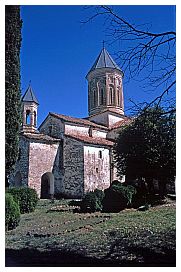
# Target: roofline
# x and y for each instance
(43, 121)
(86, 141)
(106, 109)
(107, 68)
(52, 140)
(88, 125)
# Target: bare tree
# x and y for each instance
(146, 54)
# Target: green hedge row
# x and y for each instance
(26, 198)
(12, 212)
(114, 199)
(17, 201)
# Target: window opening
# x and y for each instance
(28, 117)
(100, 154)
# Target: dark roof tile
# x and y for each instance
(29, 96)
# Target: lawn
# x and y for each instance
(51, 236)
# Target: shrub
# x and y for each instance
(118, 197)
(26, 197)
(142, 196)
(92, 201)
(12, 212)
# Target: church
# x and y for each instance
(68, 156)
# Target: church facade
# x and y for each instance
(70, 156)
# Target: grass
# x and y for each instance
(50, 237)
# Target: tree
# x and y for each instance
(13, 25)
(143, 53)
(146, 149)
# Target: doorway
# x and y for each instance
(47, 185)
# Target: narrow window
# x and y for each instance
(111, 96)
(101, 97)
(118, 95)
(28, 118)
(94, 98)
(90, 132)
(35, 118)
(97, 170)
(100, 154)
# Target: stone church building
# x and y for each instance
(70, 156)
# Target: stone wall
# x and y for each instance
(96, 168)
(53, 127)
(42, 158)
(74, 168)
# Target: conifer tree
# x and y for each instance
(13, 26)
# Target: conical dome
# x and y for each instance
(104, 60)
(29, 96)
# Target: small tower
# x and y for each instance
(30, 106)
(105, 89)
(105, 85)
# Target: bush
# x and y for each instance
(12, 212)
(26, 197)
(142, 196)
(92, 201)
(118, 197)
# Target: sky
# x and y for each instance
(58, 50)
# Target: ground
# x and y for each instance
(55, 236)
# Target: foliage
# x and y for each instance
(146, 148)
(146, 55)
(12, 212)
(13, 25)
(26, 197)
(92, 201)
(118, 197)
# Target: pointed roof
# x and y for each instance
(29, 96)
(104, 60)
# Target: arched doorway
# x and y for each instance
(47, 185)
(18, 180)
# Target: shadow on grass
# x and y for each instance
(54, 258)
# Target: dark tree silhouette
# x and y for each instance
(146, 148)
(13, 25)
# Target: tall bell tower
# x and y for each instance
(105, 90)
(29, 111)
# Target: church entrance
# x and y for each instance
(47, 185)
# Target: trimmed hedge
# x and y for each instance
(118, 197)
(92, 201)
(12, 212)
(26, 197)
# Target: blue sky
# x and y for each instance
(57, 52)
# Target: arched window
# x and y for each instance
(35, 118)
(28, 117)
(118, 96)
(111, 96)
(94, 99)
(100, 154)
(101, 96)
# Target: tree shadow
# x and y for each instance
(143, 255)
(33, 257)
(56, 258)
